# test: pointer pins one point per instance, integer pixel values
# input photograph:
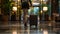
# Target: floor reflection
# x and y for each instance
(18, 28)
(14, 32)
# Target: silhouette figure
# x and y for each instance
(25, 6)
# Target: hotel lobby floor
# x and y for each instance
(18, 28)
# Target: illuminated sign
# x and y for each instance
(35, 2)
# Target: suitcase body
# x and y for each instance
(33, 20)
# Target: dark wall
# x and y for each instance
(54, 7)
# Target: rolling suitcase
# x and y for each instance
(33, 20)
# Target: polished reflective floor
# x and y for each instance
(15, 27)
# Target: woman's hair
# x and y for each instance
(27, 1)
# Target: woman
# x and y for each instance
(25, 7)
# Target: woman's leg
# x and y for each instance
(25, 18)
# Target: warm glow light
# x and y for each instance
(27, 15)
(45, 32)
(41, 11)
(43, 0)
(14, 32)
(14, 8)
(35, 3)
(45, 8)
(18, 0)
(18, 6)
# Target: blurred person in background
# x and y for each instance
(25, 6)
